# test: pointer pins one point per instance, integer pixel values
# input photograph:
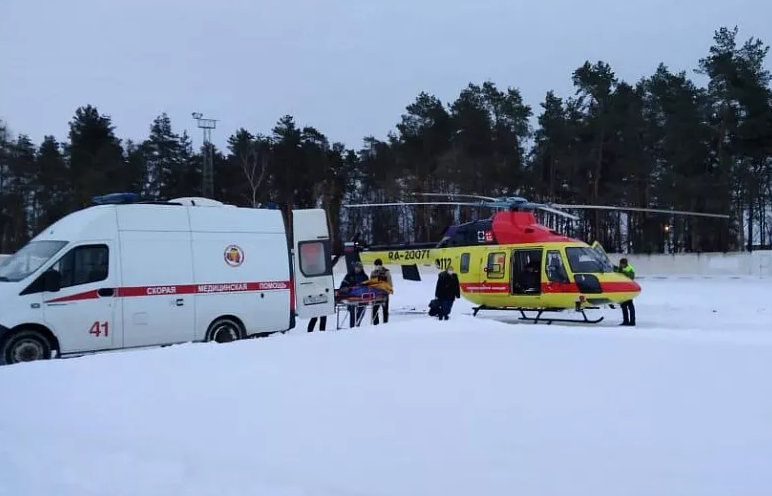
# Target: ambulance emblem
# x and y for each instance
(234, 256)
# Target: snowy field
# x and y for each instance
(680, 405)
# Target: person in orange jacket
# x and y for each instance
(382, 274)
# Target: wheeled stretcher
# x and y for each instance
(357, 302)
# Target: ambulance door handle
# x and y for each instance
(105, 292)
(179, 302)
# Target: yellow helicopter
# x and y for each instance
(510, 262)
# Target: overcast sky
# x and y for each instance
(347, 67)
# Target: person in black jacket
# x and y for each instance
(323, 319)
(628, 307)
(322, 323)
(447, 291)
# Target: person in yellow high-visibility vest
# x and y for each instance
(628, 308)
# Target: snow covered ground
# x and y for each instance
(681, 405)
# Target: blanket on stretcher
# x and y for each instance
(363, 292)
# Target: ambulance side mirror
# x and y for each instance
(52, 281)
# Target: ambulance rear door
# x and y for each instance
(314, 285)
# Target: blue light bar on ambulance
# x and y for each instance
(115, 199)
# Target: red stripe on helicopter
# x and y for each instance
(180, 289)
(606, 287)
(559, 287)
(553, 288)
(620, 287)
(485, 287)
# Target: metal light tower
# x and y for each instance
(208, 170)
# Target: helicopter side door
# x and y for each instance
(526, 271)
(558, 279)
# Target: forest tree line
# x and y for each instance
(661, 142)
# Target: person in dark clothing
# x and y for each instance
(447, 291)
(322, 323)
(628, 308)
(355, 278)
(528, 280)
(323, 319)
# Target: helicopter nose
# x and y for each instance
(623, 284)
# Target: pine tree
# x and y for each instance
(662, 141)
(95, 157)
(55, 194)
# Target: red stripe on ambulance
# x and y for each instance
(88, 295)
(181, 289)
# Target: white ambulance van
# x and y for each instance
(135, 275)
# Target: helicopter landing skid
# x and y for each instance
(538, 319)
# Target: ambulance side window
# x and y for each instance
(83, 265)
(464, 263)
(314, 260)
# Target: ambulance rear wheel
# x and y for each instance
(25, 346)
(224, 330)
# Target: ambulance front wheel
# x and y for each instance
(225, 330)
(26, 345)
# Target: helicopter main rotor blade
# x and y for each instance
(403, 204)
(548, 208)
(642, 209)
(454, 195)
(485, 204)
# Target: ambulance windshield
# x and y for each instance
(29, 259)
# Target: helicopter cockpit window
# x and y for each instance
(587, 260)
(556, 271)
(496, 266)
(464, 263)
